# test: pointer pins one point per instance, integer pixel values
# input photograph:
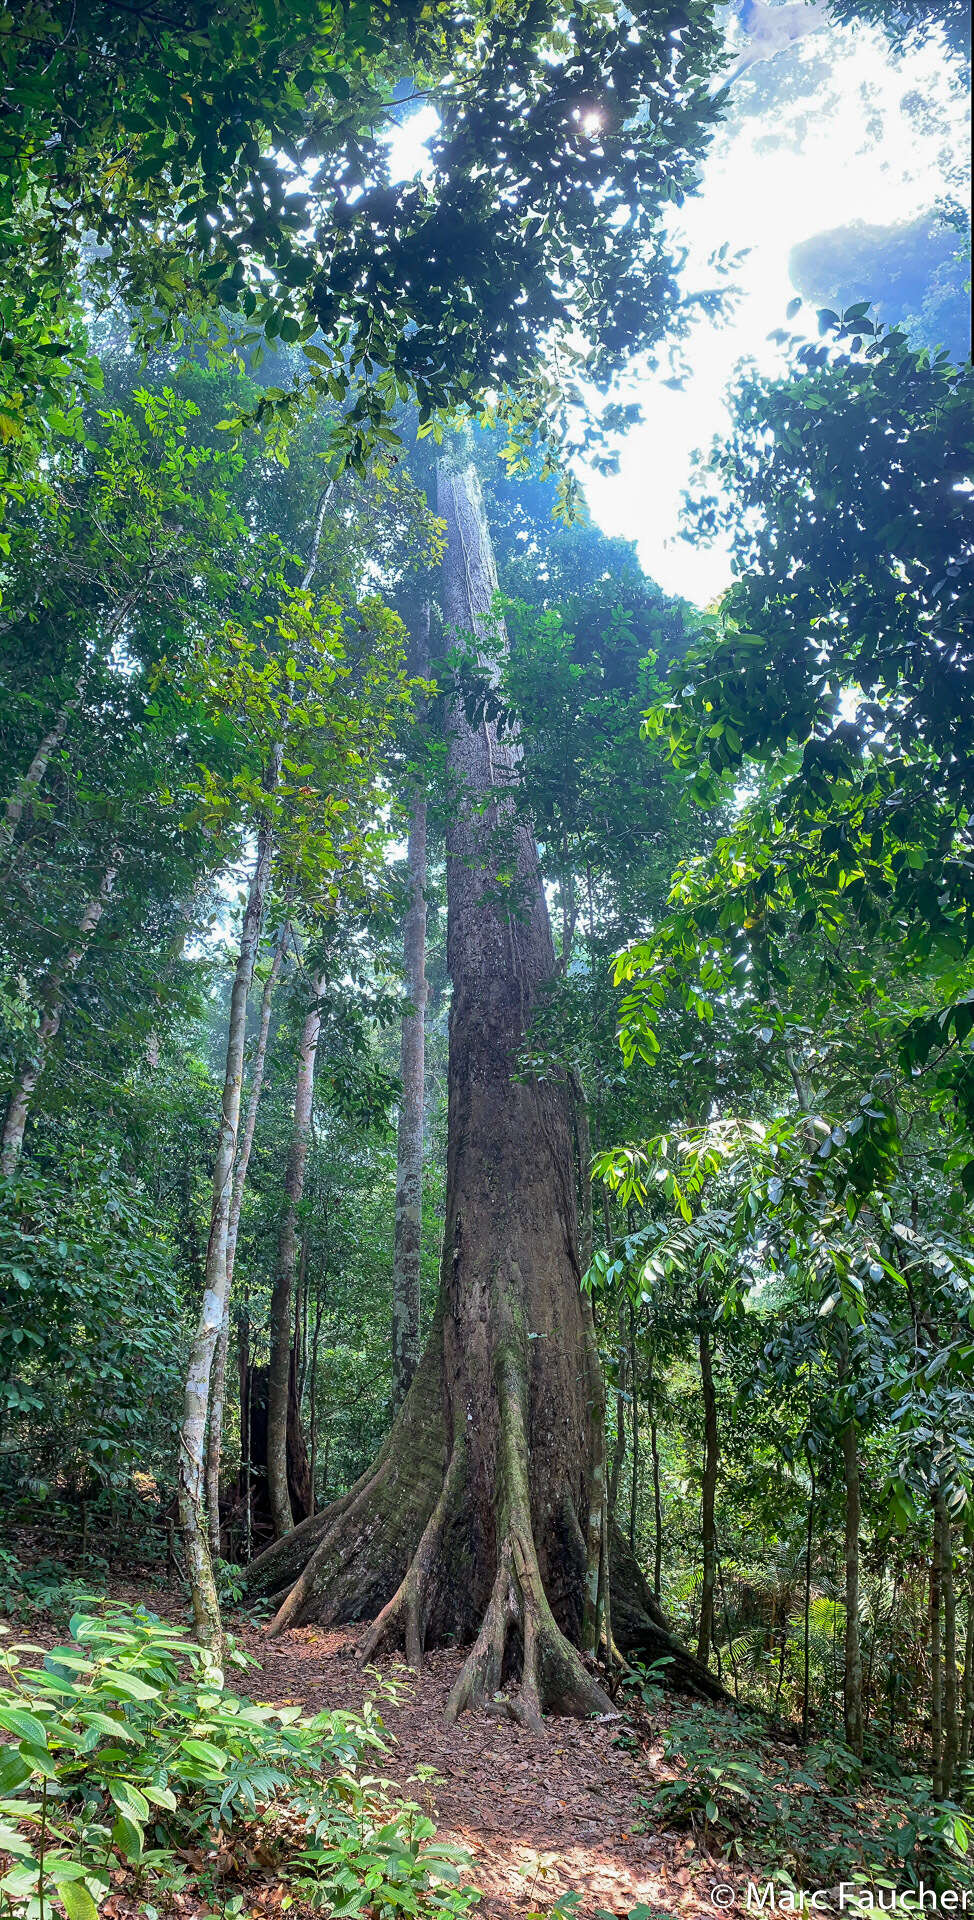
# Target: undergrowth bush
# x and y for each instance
(815, 1815)
(127, 1750)
(45, 1587)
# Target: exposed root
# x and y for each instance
(553, 1673)
(403, 1618)
(480, 1676)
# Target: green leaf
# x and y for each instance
(24, 1725)
(76, 1900)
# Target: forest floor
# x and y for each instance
(566, 1811)
(539, 1814)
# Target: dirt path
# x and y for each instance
(539, 1814)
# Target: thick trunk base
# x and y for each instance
(399, 1550)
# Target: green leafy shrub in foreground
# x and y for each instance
(127, 1745)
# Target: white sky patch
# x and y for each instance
(766, 186)
(407, 143)
(844, 150)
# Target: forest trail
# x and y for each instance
(539, 1815)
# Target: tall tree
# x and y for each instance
(192, 1437)
(489, 1466)
(279, 1369)
(214, 1438)
(409, 1174)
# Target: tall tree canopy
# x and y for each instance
(235, 174)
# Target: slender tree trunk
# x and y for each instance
(852, 1683)
(52, 1011)
(243, 1369)
(852, 1668)
(409, 1170)
(622, 1387)
(474, 1517)
(313, 1394)
(214, 1443)
(657, 1487)
(950, 1729)
(301, 1325)
(782, 1656)
(192, 1438)
(29, 782)
(279, 1369)
(634, 1380)
(967, 1717)
(708, 1532)
(936, 1664)
(806, 1630)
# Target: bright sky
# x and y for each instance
(844, 150)
(857, 155)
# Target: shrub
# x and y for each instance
(126, 1748)
(816, 1815)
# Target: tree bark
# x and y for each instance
(52, 1011)
(852, 1669)
(657, 1487)
(708, 1492)
(409, 1169)
(192, 1437)
(622, 1387)
(474, 1519)
(279, 1370)
(936, 1663)
(214, 1443)
(583, 1148)
(31, 779)
(807, 1605)
(967, 1688)
(313, 1392)
(634, 1378)
(950, 1728)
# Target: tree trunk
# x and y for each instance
(474, 1518)
(409, 1170)
(936, 1664)
(214, 1443)
(657, 1486)
(807, 1609)
(583, 1148)
(281, 1357)
(192, 1438)
(313, 1392)
(52, 1010)
(243, 1373)
(852, 1681)
(852, 1669)
(634, 1379)
(950, 1729)
(31, 780)
(967, 1718)
(622, 1386)
(708, 1494)
(298, 1463)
